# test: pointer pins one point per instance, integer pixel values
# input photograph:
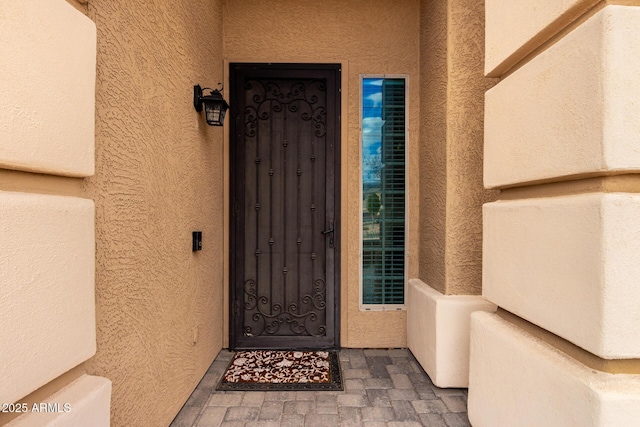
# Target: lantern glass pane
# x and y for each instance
(213, 113)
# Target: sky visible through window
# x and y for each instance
(383, 191)
(371, 129)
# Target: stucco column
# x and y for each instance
(449, 284)
(561, 244)
(451, 146)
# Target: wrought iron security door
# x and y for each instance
(284, 238)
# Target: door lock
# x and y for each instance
(330, 230)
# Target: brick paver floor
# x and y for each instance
(382, 388)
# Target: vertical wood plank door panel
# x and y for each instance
(285, 203)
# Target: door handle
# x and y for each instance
(330, 230)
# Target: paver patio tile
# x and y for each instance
(456, 420)
(327, 410)
(378, 360)
(384, 383)
(355, 400)
(400, 368)
(447, 391)
(401, 381)
(241, 413)
(455, 403)
(225, 356)
(404, 424)
(372, 413)
(186, 417)
(300, 407)
(253, 398)
(225, 399)
(292, 420)
(212, 416)
(375, 352)
(358, 363)
(210, 380)
(326, 404)
(325, 398)
(429, 407)
(356, 374)
(264, 424)
(199, 397)
(423, 387)
(399, 353)
(426, 395)
(351, 352)
(388, 388)
(349, 415)
(271, 411)
(419, 378)
(353, 384)
(378, 370)
(280, 395)
(378, 397)
(317, 420)
(402, 394)
(306, 395)
(432, 420)
(404, 411)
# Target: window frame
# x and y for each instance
(382, 307)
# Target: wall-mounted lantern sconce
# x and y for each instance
(215, 107)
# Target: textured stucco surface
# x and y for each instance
(47, 308)
(585, 89)
(451, 124)
(433, 142)
(569, 265)
(517, 27)
(518, 380)
(438, 328)
(47, 82)
(559, 254)
(88, 399)
(158, 177)
(367, 37)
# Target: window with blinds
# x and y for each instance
(384, 138)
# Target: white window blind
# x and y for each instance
(384, 191)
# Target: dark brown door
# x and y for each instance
(284, 216)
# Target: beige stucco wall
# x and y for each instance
(451, 126)
(585, 88)
(367, 37)
(433, 137)
(47, 262)
(47, 248)
(560, 253)
(519, 380)
(83, 402)
(529, 25)
(158, 177)
(47, 82)
(569, 265)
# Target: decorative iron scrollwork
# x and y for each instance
(299, 97)
(270, 323)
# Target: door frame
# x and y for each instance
(285, 68)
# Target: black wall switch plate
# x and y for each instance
(197, 240)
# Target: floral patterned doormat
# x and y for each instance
(267, 370)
